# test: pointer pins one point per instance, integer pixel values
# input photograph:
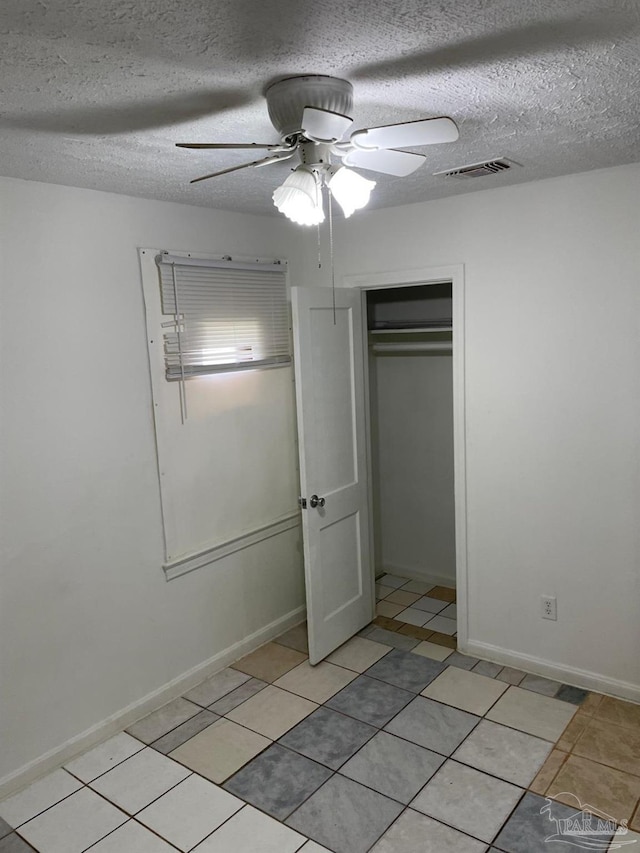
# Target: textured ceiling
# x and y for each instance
(94, 93)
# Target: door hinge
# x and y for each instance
(302, 503)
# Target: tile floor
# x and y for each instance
(397, 743)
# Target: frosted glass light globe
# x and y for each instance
(300, 197)
(350, 190)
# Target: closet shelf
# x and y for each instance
(415, 330)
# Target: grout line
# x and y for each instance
(104, 773)
(333, 772)
(83, 785)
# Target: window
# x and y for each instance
(226, 467)
(225, 315)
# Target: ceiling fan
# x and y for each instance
(312, 116)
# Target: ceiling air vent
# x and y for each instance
(477, 170)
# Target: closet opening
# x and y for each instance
(411, 379)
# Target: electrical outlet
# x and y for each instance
(548, 607)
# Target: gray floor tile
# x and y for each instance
(572, 694)
(421, 587)
(278, 781)
(487, 668)
(416, 833)
(392, 580)
(534, 821)
(158, 723)
(237, 696)
(406, 670)
(328, 737)
(5, 829)
(433, 725)
(430, 605)
(216, 687)
(504, 752)
(392, 766)
(344, 816)
(390, 638)
(442, 625)
(450, 611)
(462, 661)
(468, 800)
(14, 844)
(540, 685)
(172, 740)
(370, 700)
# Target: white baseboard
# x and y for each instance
(117, 722)
(583, 678)
(419, 574)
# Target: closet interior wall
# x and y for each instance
(411, 394)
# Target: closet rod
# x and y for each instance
(426, 346)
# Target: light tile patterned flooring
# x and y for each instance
(396, 744)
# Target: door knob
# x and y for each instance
(315, 501)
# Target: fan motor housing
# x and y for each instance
(287, 99)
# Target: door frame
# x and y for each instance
(414, 277)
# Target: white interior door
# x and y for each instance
(330, 396)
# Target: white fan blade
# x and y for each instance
(426, 131)
(323, 125)
(385, 160)
(265, 161)
(223, 145)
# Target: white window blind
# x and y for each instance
(226, 315)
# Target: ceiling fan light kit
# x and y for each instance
(312, 116)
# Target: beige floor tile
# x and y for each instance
(444, 593)
(387, 623)
(510, 675)
(272, 712)
(444, 640)
(465, 690)
(603, 788)
(358, 654)
(635, 820)
(591, 703)
(610, 744)
(295, 638)
(386, 608)
(432, 650)
(220, 750)
(624, 840)
(617, 711)
(317, 683)
(574, 730)
(532, 713)
(269, 662)
(548, 772)
(402, 597)
(417, 632)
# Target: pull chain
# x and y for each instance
(333, 272)
(319, 251)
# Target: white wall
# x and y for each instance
(413, 462)
(552, 275)
(88, 624)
